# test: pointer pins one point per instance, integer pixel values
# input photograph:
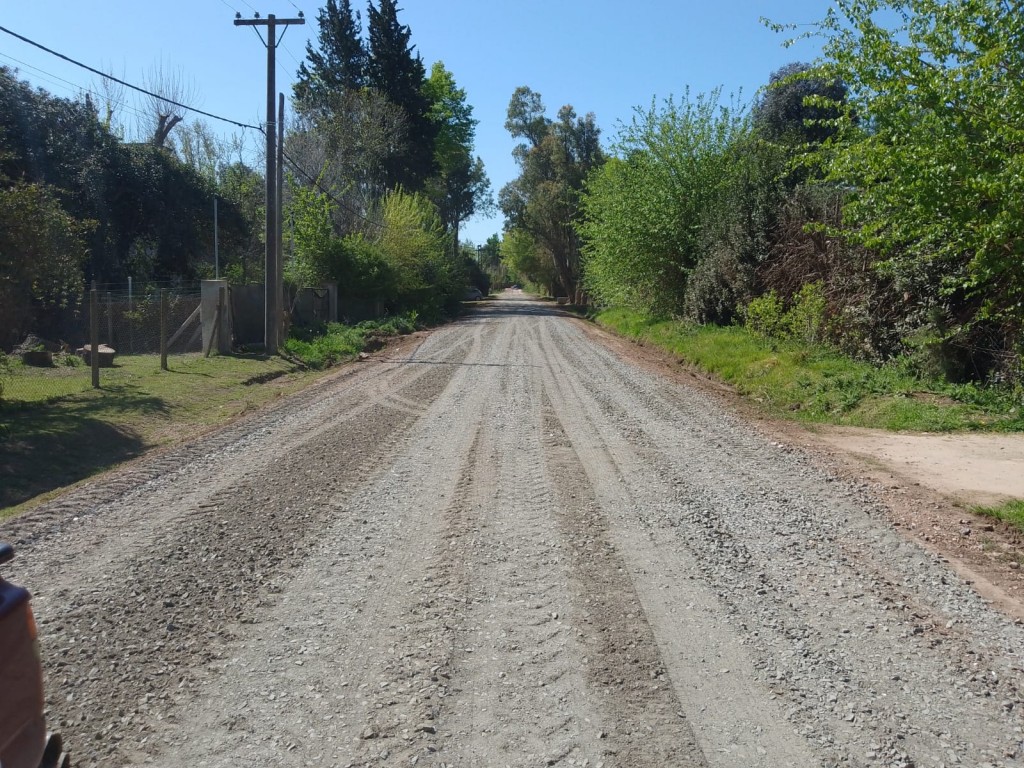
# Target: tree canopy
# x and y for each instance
(554, 162)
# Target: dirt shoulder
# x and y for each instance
(926, 482)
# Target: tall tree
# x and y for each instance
(397, 72)
(544, 201)
(340, 63)
(461, 187)
(799, 107)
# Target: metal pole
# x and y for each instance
(216, 250)
(163, 329)
(94, 336)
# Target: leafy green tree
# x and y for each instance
(428, 276)
(930, 148)
(312, 233)
(525, 262)
(461, 187)
(340, 63)
(649, 213)
(242, 192)
(554, 162)
(42, 252)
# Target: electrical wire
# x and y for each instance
(330, 195)
(295, 166)
(76, 88)
(125, 83)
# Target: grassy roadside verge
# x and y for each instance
(50, 443)
(817, 385)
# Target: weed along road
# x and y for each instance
(501, 544)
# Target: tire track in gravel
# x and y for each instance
(348, 668)
(893, 678)
(521, 697)
(708, 671)
(646, 722)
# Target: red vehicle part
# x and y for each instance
(24, 742)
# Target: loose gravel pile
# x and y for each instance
(507, 547)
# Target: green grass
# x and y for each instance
(321, 348)
(50, 440)
(1011, 512)
(818, 385)
(56, 430)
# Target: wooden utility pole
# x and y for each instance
(273, 288)
(279, 224)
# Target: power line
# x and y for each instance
(330, 195)
(286, 50)
(60, 82)
(125, 83)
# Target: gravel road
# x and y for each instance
(503, 545)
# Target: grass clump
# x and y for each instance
(327, 345)
(814, 383)
(1011, 512)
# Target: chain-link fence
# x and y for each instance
(128, 324)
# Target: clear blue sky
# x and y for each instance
(601, 56)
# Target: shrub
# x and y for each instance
(805, 319)
(718, 285)
(766, 315)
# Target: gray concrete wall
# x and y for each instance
(221, 333)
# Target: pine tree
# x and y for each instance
(397, 73)
(341, 62)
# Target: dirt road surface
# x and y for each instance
(503, 545)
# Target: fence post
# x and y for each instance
(163, 329)
(94, 336)
(110, 319)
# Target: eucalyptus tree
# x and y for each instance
(554, 159)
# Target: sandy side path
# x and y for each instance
(972, 469)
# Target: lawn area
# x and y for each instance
(60, 430)
(818, 385)
(56, 430)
